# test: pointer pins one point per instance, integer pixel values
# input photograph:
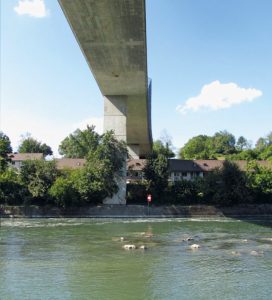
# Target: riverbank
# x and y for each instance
(137, 211)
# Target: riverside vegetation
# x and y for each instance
(39, 182)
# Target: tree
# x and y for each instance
(248, 154)
(64, 192)
(223, 143)
(79, 143)
(242, 143)
(160, 147)
(30, 145)
(266, 153)
(196, 148)
(269, 138)
(5, 150)
(259, 181)
(100, 175)
(226, 186)
(164, 144)
(185, 191)
(156, 174)
(12, 191)
(261, 144)
(38, 176)
(156, 170)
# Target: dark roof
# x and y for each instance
(25, 156)
(207, 165)
(70, 163)
(180, 165)
(242, 164)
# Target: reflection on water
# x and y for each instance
(85, 259)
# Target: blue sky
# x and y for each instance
(210, 63)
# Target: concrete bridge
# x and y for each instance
(112, 37)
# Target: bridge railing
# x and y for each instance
(149, 100)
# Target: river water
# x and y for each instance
(85, 259)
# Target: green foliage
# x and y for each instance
(185, 192)
(269, 138)
(156, 171)
(223, 142)
(90, 185)
(64, 192)
(111, 151)
(266, 154)
(99, 177)
(80, 143)
(30, 145)
(259, 181)
(242, 143)
(261, 144)
(160, 148)
(39, 181)
(5, 149)
(136, 193)
(226, 186)
(198, 147)
(206, 147)
(12, 191)
(38, 176)
(248, 154)
(164, 145)
(222, 146)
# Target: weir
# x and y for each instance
(112, 37)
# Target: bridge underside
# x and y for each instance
(112, 36)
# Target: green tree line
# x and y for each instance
(223, 145)
(223, 186)
(40, 182)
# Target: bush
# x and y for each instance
(38, 176)
(64, 193)
(12, 191)
(184, 192)
(136, 193)
(259, 181)
(226, 186)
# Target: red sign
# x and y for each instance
(149, 198)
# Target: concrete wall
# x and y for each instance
(139, 211)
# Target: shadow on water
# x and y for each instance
(256, 214)
(265, 221)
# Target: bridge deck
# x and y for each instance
(112, 36)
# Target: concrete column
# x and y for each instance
(133, 151)
(115, 118)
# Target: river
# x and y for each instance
(84, 259)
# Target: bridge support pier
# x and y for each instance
(115, 118)
(133, 151)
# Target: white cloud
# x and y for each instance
(216, 95)
(33, 8)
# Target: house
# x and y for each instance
(135, 170)
(62, 163)
(190, 169)
(184, 169)
(18, 158)
(70, 163)
(180, 169)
